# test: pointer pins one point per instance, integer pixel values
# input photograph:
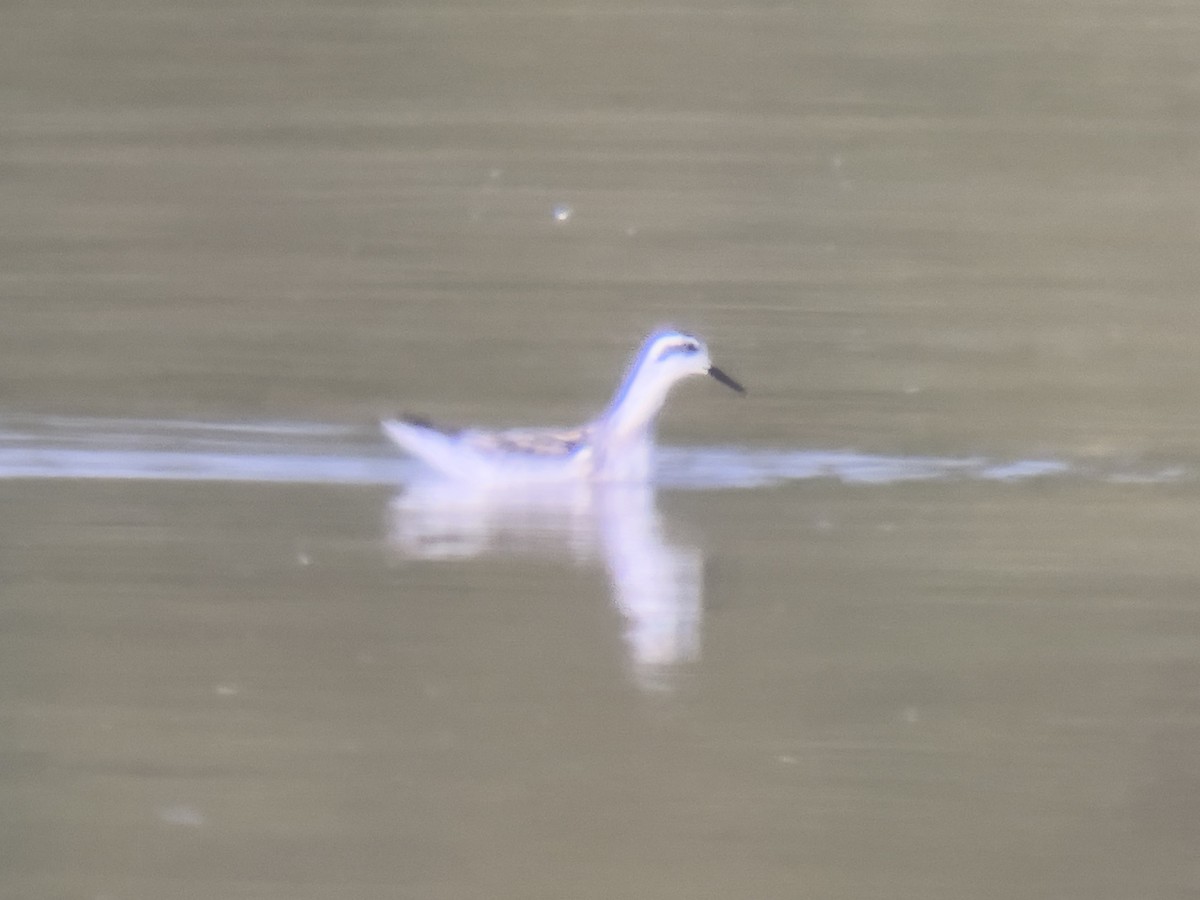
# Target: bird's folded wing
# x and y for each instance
(531, 441)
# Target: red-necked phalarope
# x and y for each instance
(617, 446)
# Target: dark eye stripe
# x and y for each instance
(677, 348)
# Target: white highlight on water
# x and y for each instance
(50, 447)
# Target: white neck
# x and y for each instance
(635, 406)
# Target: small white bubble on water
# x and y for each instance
(562, 212)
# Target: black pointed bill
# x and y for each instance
(725, 379)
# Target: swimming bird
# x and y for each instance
(615, 446)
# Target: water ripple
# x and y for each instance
(56, 447)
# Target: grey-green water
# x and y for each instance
(915, 230)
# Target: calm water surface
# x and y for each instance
(919, 617)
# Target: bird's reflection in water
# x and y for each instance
(656, 585)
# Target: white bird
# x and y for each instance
(616, 446)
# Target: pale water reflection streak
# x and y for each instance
(41, 447)
(656, 583)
